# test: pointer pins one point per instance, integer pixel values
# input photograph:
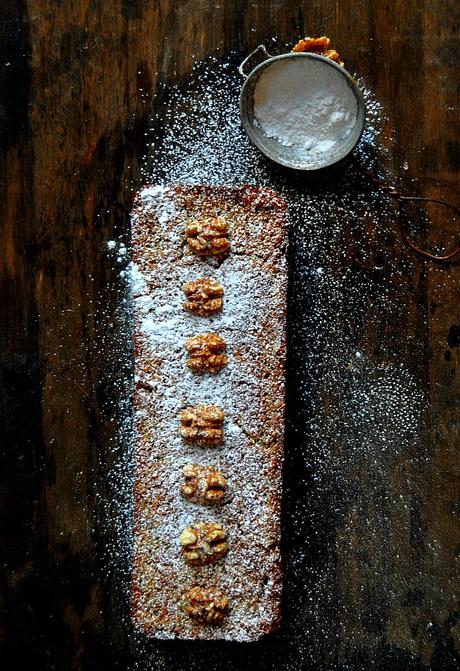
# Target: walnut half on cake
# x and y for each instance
(203, 484)
(202, 424)
(206, 353)
(205, 605)
(204, 297)
(207, 236)
(203, 543)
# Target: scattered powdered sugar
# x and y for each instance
(355, 402)
(305, 104)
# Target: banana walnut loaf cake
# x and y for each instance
(208, 284)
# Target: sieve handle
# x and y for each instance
(259, 55)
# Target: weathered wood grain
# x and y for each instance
(78, 82)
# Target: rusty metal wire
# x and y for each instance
(401, 198)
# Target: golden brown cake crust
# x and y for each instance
(249, 389)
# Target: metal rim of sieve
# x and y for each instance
(271, 147)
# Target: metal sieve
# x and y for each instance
(251, 68)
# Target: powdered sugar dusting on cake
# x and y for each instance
(250, 390)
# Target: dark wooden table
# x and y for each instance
(78, 82)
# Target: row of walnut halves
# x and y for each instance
(204, 542)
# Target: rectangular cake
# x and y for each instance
(208, 284)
